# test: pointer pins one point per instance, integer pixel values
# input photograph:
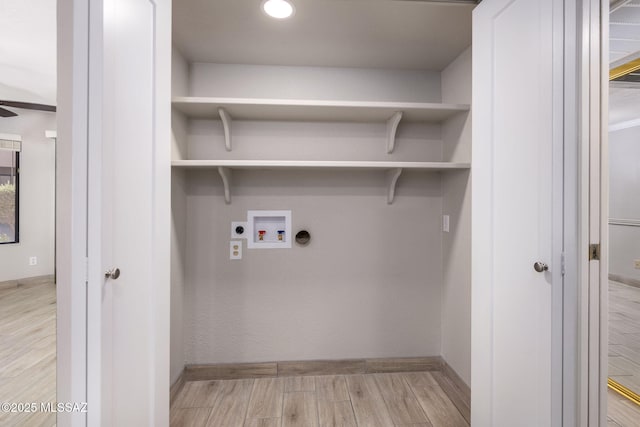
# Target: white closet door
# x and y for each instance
(516, 117)
(129, 174)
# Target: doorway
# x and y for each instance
(27, 212)
(624, 216)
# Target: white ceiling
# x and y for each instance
(337, 33)
(624, 31)
(28, 50)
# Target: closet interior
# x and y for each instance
(321, 184)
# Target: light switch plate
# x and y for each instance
(235, 234)
(235, 249)
(445, 223)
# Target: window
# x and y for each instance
(9, 186)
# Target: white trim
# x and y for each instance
(50, 134)
(11, 137)
(573, 399)
(304, 164)
(624, 125)
(71, 207)
(10, 142)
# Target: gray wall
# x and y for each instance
(371, 282)
(37, 198)
(179, 124)
(624, 202)
(352, 84)
(456, 244)
(368, 285)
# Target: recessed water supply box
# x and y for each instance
(269, 229)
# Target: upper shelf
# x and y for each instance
(315, 110)
(320, 164)
(230, 109)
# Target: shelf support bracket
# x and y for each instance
(392, 179)
(225, 174)
(392, 127)
(226, 123)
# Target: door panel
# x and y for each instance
(513, 140)
(131, 110)
(129, 144)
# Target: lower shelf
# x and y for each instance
(393, 170)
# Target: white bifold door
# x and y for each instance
(517, 213)
(129, 176)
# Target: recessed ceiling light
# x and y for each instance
(279, 9)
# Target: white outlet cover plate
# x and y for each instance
(445, 223)
(235, 249)
(235, 224)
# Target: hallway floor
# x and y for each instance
(624, 352)
(28, 351)
(385, 400)
(624, 335)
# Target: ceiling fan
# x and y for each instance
(23, 105)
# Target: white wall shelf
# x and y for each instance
(391, 113)
(392, 169)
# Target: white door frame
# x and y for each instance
(71, 207)
(595, 135)
(585, 214)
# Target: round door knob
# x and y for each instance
(113, 273)
(540, 267)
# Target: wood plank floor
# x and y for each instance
(28, 351)
(624, 352)
(624, 335)
(372, 400)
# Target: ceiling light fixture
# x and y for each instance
(279, 9)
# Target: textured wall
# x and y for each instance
(368, 284)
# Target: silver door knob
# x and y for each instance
(113, 273)
(540, 267)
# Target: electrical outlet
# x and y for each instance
(239, 229)
(33, 260)
(445, 223)
(637, 264)
(235, 249)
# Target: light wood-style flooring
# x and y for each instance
(624, 335)
(27, 374)
(624, 352)
(622, 412)
(376, 400)
(28, 351)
